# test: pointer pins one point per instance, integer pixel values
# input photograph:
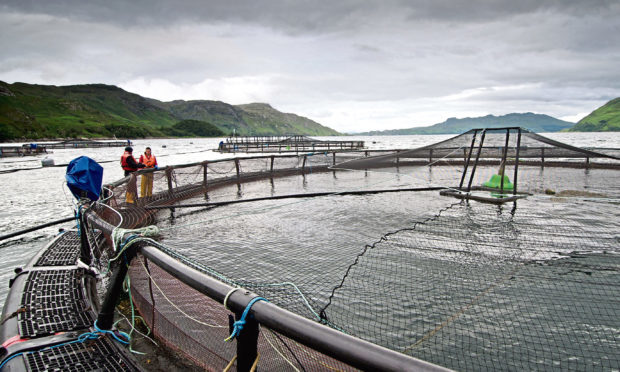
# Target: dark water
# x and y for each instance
(312, 242)
(519, 287)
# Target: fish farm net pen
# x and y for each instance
(516, 267)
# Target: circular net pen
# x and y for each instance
(371, 245)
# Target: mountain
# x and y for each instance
(604, 119)
(531, 121)
(252, 119)
(30, 111)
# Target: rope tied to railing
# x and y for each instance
(238, 325)
(118, 234)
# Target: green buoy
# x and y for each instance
(496, 181)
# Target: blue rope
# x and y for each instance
(238, 325)
(77, 220)
(82, 338)
(114, 334)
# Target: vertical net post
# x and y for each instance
(503, 162)
(514, 189)
(473, 169)
(542, 157)
(85, 251)
(169, 179)
(303, 165)
(471, 150)
(430, 157)
(204, 178)
(238, 171)
(105, 318)
(334, 156)
(271, 167)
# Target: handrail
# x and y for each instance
(348, 349)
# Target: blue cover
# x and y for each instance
(84, 174)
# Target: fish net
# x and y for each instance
(363, 242)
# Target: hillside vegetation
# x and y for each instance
(604, 119)
(29, 111)
(534, 122)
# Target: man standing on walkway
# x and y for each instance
(146, 184)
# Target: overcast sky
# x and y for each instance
(350, 65)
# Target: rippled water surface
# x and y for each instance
(33, 196)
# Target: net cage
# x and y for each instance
(364, 243)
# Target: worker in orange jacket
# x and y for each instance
(130, 165)
(149, 161)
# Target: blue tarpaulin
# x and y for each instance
(84, 175)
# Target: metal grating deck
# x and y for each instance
(63, 252)
(54, 302)
(92, 355)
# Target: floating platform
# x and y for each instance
(51, 303)
(493, 197)
(42, 147)
(23, 150)
(280, 144)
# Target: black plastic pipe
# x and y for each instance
(348, 349)
(38, 227)
(304, 195)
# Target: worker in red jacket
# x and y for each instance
(149, 161)
(130, 165)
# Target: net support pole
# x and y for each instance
(303, 165)
(85, 251)
(169, 180)
(503, 162)
(105, 319)
(430, 157)
(514, 189)
(471, 150)
(473, 169)
(247, 343)
(204, 178)
(271, 167)
(333, 156)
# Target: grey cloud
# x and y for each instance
(301, 16)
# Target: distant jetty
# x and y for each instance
(42, 147)
(279, 144)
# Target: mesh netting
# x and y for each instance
(526, 285)
(489, 144)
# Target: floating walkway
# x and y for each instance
(279, 144)
(42, 147)
(48, 317)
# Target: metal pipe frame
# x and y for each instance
(348, 349)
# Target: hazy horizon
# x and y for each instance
(354, 66)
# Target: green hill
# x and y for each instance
(247, 120)
(29, 111)
(194, 128)
(531, 121)
(604, 119)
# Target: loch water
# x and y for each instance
(32, 195)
